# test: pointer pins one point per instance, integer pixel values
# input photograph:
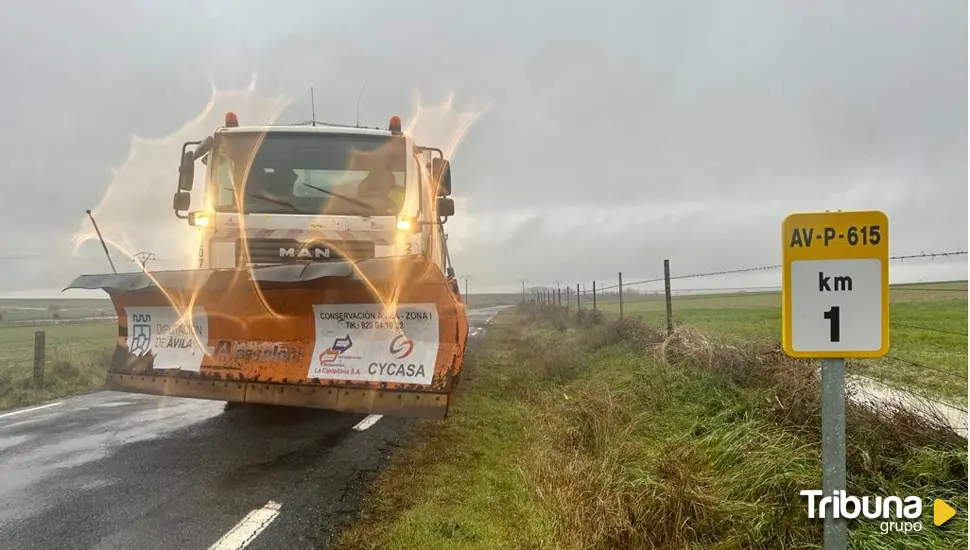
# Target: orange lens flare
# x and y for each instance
(131, 210)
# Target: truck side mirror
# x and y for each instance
(187, 172)
(445, 207)
(181, 201)
(441, 172)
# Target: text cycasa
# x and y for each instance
(396, 369)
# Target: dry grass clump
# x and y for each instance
(66, 373)
(588, 318)
(617, 475)
(632, 331)
(885, 439)
(620, 467)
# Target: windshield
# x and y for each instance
(309, 173)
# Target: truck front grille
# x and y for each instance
(290, 251)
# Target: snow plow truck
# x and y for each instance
(323, 277)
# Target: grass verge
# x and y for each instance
(577, 432)
(77, 357)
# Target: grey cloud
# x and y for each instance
(595, 108)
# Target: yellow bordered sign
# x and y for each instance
(835, 284)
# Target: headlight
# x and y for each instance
(199, 219)
(409, 225)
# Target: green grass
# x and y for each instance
(747, 316)
(574, 433)
(461, 484)
(76, 360)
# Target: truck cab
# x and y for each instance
(304, 194)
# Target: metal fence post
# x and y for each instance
(578, 306)
(594, 294)
(567, 298)
(670, 308)
(40, 349)
(559, 296)
(620, 286)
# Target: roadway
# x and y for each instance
(118, 470)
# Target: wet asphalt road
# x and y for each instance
(127, 471)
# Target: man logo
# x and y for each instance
(401, 346)
(305, 253)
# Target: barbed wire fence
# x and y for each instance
(661, 305)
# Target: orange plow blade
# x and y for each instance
(383, 336)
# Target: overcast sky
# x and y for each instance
(606, 137)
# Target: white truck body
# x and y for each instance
(264, 235)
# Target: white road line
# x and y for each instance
(367, 422)
(248, 528)
(21, 411)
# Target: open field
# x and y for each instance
(489, 300)
(928, 342)
(14, 311)
(576, 432)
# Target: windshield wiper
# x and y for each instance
(274, 200)
(344, 197)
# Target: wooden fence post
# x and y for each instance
(667, 299)
(39, 357)
(619, 276)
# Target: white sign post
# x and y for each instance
(835, 304)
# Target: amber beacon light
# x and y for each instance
(395, 125)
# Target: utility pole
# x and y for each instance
(313, 109)
(143, 257)
(465, 278)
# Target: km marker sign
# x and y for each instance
(835, 287)
(835, 304)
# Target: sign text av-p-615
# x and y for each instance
(835, 284)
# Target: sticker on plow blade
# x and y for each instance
(156, 330)
(362, 342)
